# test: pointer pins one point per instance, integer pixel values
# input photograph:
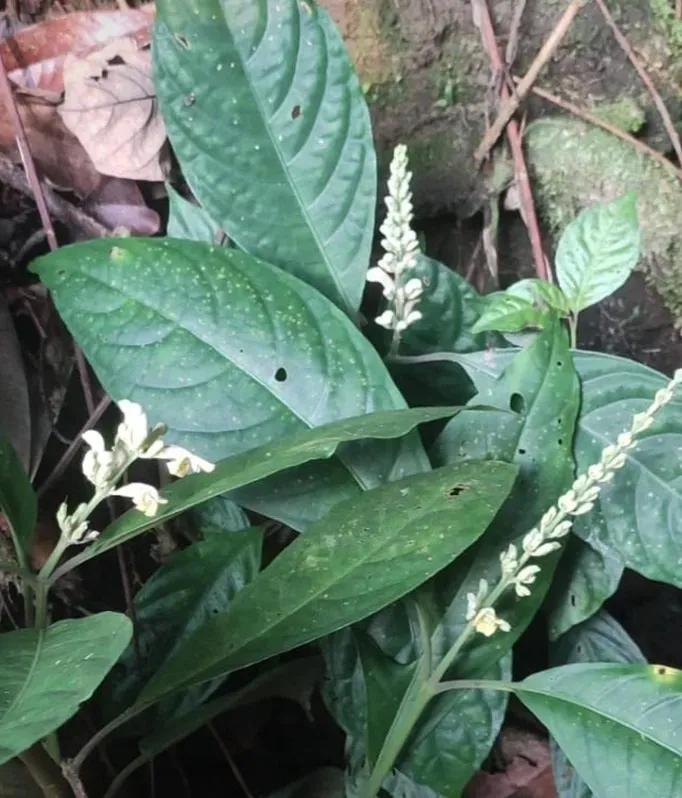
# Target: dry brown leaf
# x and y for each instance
(35, 56)
(110, 106)
(119, 205)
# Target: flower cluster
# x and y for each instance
(104, 468)
(556, 523)
(401, 247)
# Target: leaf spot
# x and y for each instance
(517, 403)
(456, 490)
(296, 112)
(281, 374)
(190, 99)
(182, 41)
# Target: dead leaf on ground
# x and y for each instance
(110, 106)
(528, 773)
(119, 204)
(35, 56)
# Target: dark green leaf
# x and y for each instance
(449, 306)
(190, 221)
(294, 680)
(582, 584)
(255, 465)
(17, 499)
(618, 724)
(217, 517)
(197, 583)
(46, 674)
(541, 384)
(597, 251)
(228, 352)
(271, 128)
(365, 554)
(505, 312)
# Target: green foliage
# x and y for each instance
(188, 220)
(289, 172)
(46, 674)
(17, 500)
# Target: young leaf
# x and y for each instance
(17, 499)
(505, 312)
(391, 539)
(617, 724)
(582, 584)
(47, 674)
(597, 251)
(195, 584)
(255, 465)
(540, 292)
(189, 221)
(230, 353)
(271, 128)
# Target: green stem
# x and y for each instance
(76, 763)
(127, 771)
(573, 329)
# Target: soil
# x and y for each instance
(428, 82)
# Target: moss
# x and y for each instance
(624, 114)
(575, 165)
(663, 14)
(445, 82)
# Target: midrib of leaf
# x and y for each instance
(264, 119)
(233, 360)
(31, 672)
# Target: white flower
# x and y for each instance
(98, 463)
(487, 623)
(531, 541)
(561, 529)
(145, 497)
(474, 600)
(413, 289)
(134, 429)
(182, 462)
(641, 422)
(386, 319)
(526, 576)
(378, 275)
(509, 560)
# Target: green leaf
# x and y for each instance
(392, 538)
(581, 585)
(192, 587)
(228, 352)
(190, 221)
(217, 517)
(541, 384)
(47, 674)
(294, 680)
(600, 639)
(597, 251)
(618, 724)
(255, 465)
(505, 312)
(541, 293)
(272, 131)
(450, 308)
(635, 517)
(17, 500)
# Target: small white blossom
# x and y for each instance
(98, 463)
(386, 320)
(133, 431)
(509, 560)
(474, 600)
(561, 529)
(145, 497)
(182, 462)
(487, 622)
(526, 576)
(378, 275)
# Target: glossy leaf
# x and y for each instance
(230, 353)
(619, 725)
(256, 465)
(505, 312)
(635, 519)
(541, 384)
(541, 293)
(217, 517)
(392, 538)
(271, 128)
(449, 306)
(585, 580)
(197, 583)
(598, 251)
(188, 220)
(17, 499)
(47, 674)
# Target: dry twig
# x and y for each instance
(509, 108)
(658, 100)
(485, 25)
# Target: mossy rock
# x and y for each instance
(574, 165)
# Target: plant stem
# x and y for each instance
(128, 770)
(45, 772)
(74, 765)
(573, 329)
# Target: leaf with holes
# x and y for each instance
(271, 128)
(47, 674)
(617, 724)
(597, 251)
(230, 353)
(393, 538)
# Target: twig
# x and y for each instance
(71, 216)
(586, 116)
(69, 454)
(646, 80)
(485, 25)
(514, 31)
(26, 157)
(678, 10)
(508, 109)
(233, 767)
